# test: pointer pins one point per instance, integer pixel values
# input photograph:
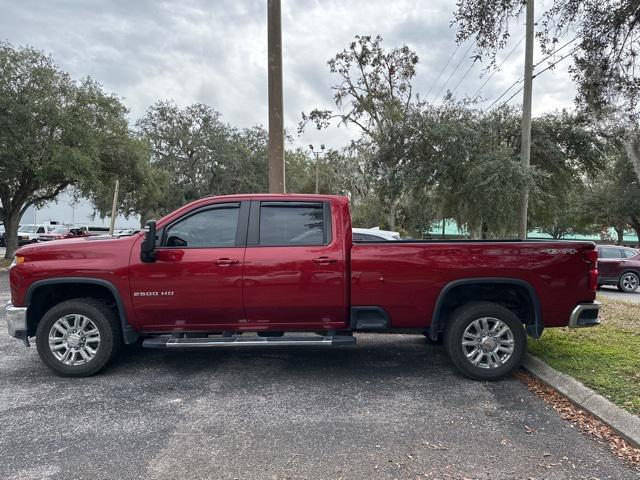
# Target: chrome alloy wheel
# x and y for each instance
(74, 340)
(629, 282)
(487, 342)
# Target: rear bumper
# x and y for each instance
(585, 315)
(16, 320)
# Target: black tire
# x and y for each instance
(462, 318)
(628, 282)
(105, 322)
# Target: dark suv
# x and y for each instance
(619, 266)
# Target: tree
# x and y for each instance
(201, 155)
(604, 51)
(52, 132)
(141, 190)
(628, 192)
(374, 93)
(188, 145)
(566, 149)
(601, 205)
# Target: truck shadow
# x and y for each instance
(374, 356)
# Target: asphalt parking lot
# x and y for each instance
(390, 407)
(612, 292)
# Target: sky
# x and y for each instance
(215, 52)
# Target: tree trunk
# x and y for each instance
(632, 146)
(635, 224)
(11, 222)
(392, 215)
(620, 234)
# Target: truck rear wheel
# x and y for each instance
(485, 341)
(77, 338)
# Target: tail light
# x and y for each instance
(591, 257)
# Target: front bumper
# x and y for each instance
(585, 315)
(16, 321)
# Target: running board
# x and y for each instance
(238, 341)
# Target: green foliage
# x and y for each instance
(141, 190)
(604, 55)
(374, 93)
(413, 164)
(201, 155)
(54, 133)
(612, 198)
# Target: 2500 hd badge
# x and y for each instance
(167, 293)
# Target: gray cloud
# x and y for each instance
(215, 51)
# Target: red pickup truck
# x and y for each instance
(269, 270)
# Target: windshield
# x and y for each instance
(60, 230)
(28, 229)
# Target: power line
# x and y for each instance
(464, 75)
(539, 73)
(503, 94)
(464, 56)
(551, 65)
(514, 94)
(557, 50)
(499, 67)
(442, 70)
(475, 96)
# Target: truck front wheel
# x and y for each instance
(485, 341)
(77, 338)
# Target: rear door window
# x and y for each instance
(610, 253)
(293, 224)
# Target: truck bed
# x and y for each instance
(406, 278)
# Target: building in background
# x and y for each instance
(68, 211)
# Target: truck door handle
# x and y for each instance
(324, 260)
(226, 261)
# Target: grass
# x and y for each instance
(606, 358)
(4, 262)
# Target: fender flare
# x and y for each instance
(129, 335)
(534, 330)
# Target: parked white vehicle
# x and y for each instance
(31, 232)
(374, 235)
(89, 230)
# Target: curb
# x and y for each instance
(624, 423)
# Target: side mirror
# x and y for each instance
(148, 246)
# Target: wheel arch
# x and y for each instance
(520, 297)
(43, 294)
(629, 270)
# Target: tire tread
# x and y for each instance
(459, 321)
(114, 341)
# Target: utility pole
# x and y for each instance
(317, 154)
(525, 143)
(276, 115)
(114, 208)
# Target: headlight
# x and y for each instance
(17, 260)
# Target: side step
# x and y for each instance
(239, 341)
